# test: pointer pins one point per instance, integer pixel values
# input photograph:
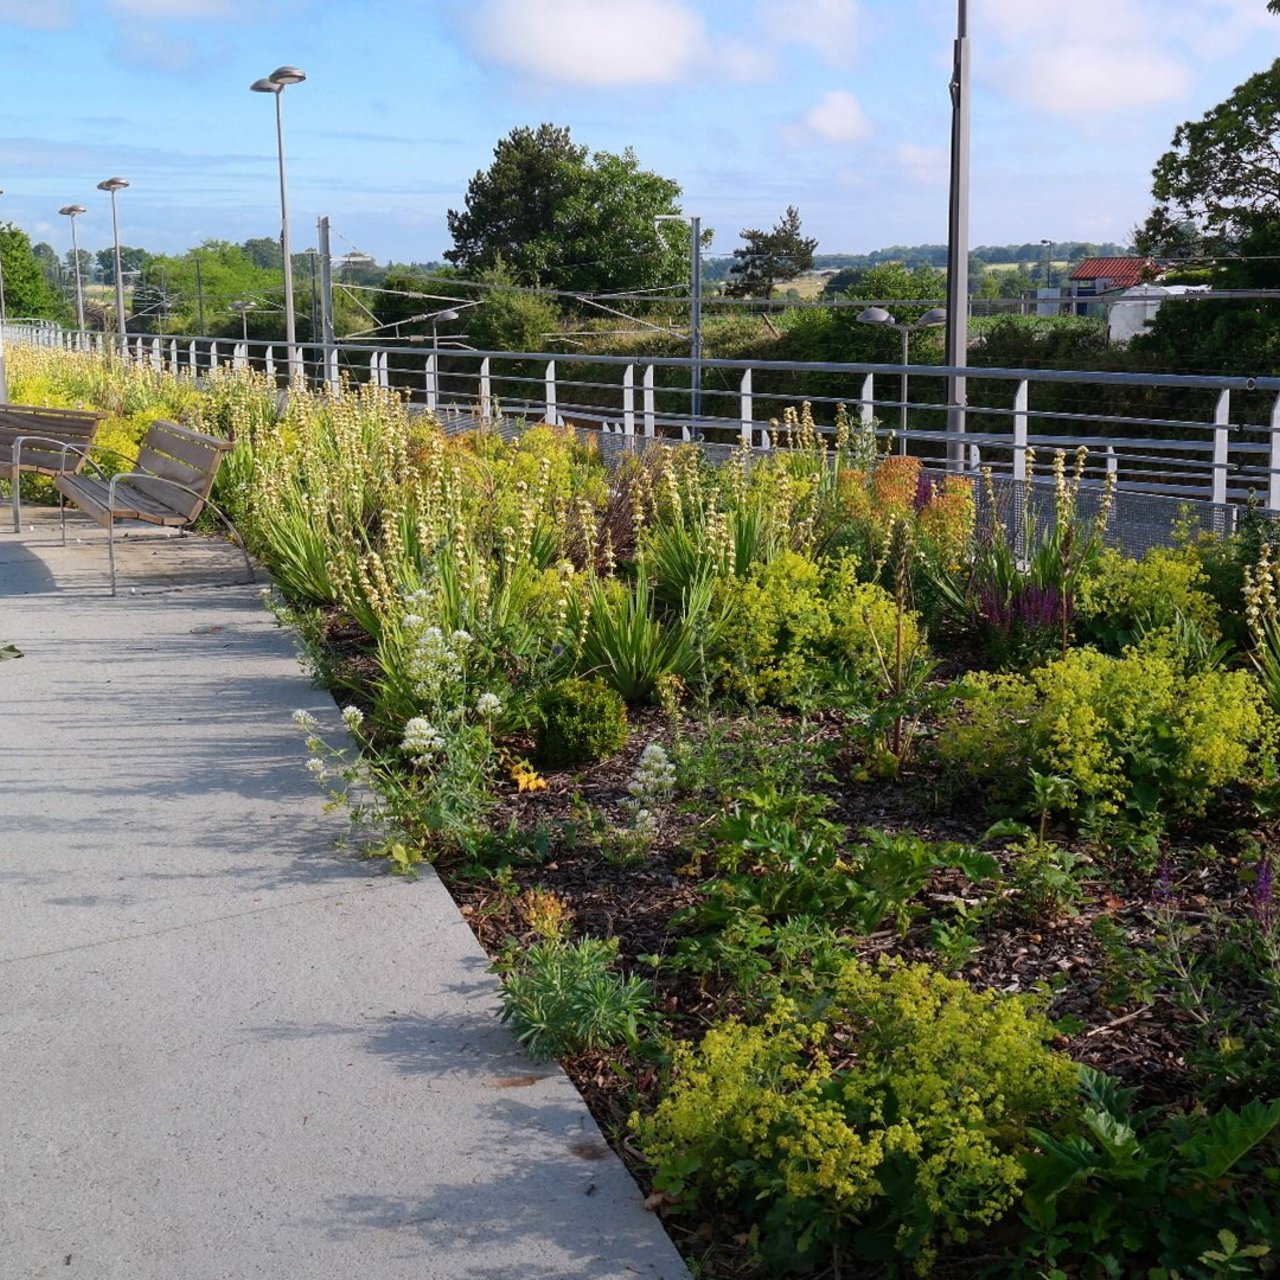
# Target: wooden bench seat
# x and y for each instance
(49, 442)
(169, 485)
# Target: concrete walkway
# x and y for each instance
(226, 1050)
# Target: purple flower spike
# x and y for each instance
(1163, 891)
(1264, 901)
(924, 492)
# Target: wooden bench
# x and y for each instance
(169, 485)
(50, 442)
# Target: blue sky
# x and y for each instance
(837, 106)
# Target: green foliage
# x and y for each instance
(794, 626)
(624, 639)
(510, 319)
(565, 220)
(26, 290)
(579, 721)
(1120, 599)
(1137, 1190)
(563, 998)
(897, 1116)
(770, 258)
(1136, 735)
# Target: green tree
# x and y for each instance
(264, 252)
(511, 319)
(1220, 178)
(560, 218)
(227, 274)
(130, 260)
(769, 258)
(407, 297)
(27, 291)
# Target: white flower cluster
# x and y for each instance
(421, 739)
(488, 705)
(655, 777)
(304, 720)
(353, 718)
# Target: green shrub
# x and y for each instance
(580, 721)
(899, 1116)
(562, 998)
(794, 625)
(1136, 735)
(1118, 599)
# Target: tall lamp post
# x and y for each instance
(113, 185)
(275, 84)
(448, 314)
(73, 211)
(695, 306)
(930, 320)
(244, 308)
(958, 243)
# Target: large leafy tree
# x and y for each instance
(27, 291)
(769, 258)
(552, 215)
(1221, 177)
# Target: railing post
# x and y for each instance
(553, 415)
(433, 383)
(1020, 400)
(269, 361)
(486, 394)
(1221, 420)
(975, 459)
(629, 400)
(157, 355)
(650, 417)
(331, 369)
(1113, 464)
(1273, 480)
(866, 401)
(746, 408)
(192, 359)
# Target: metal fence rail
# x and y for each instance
(1210, 440)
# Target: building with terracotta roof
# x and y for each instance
(1097, 277)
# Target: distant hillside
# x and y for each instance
(935, 255)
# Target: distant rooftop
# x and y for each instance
(1118, 273)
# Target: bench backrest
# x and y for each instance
(191, 458)
(69, 426)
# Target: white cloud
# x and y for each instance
(1082, 57)
(591, 42)
(832, 27)
(836, 117)
(927, 165)
(43, 15)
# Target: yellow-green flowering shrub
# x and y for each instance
(1132, 733)
(900, 1115)
(1118, 596)
(794, 624)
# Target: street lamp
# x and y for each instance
(930, 320)
(695, 306)
(244, 308)
(73, 211)
(448, 314)
(275, 84)
(113, 185)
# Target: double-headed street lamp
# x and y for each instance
(275, 84)
(73, 211)
(695, 306)
(113, 185)
(884, 319)
(4, 380)
(244, 307)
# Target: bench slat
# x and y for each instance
(192, 447)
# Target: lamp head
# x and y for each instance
(447, 315)
(72, 209)
(287, 75)
(266, 86)
(932, 318)
(112, 184)
(875, 315)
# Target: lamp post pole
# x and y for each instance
(73, 211)
(113, 185)
(958, 243)
(930, 320)
(275, 84)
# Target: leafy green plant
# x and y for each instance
(1148, 1189)
(897, 1116)
(579, 721)
(563, 998)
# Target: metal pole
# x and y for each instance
(290, 335)
(326, 292)
(958, 243)
(695, 324)
(902, 412)
(75, 253)
(115, 233)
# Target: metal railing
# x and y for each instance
(1213, 440)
